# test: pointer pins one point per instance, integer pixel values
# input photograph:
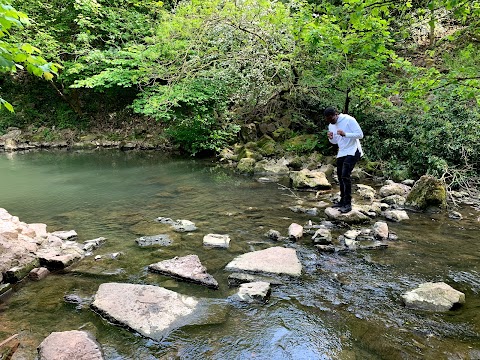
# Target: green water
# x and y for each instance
(343, 307)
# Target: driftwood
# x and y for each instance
(8, 347)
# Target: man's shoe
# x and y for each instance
(345, 209)
(338, 205)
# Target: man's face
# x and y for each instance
(332, 119)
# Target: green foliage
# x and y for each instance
(414, 142)
(15, 56)
(301, 144)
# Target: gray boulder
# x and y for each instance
(159, 240)
(433, 297)
(396, 215)
(309, 179)
(216, 240)
(392, 188)
(353, 217)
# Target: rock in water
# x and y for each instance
(433, 297)
(69, 345)
(274, 260)
(187, 268)
(154, 311)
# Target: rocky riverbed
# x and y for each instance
(154, 311)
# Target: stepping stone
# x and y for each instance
(154, 311)
(274, 260)
(186, 268)
(216, 240)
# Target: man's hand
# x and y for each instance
(341, 132)
(330, 135)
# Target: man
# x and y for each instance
(344, 131)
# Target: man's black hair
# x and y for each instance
(330, 111)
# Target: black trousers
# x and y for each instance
(345, 165)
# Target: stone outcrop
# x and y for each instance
(24, 247)
(433, 297)
(274, 260)
(427, 192)
(69, 345)
(153, 311)
(186, 268)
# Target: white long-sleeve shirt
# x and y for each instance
(348, 144)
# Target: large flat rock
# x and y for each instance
(153, 311)
(274, 260)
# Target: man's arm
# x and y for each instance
(354, 130)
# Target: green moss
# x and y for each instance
(428, 192)
(301, 144)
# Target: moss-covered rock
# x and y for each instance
(281, 133)
(309, 179)
(246, 165)
(427, 192)
(246, 153)
(266, 145)
(301, 143)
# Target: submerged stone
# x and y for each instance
(153, 311)
(160, 240)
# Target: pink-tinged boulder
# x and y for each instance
(187, 268)
(69, 345)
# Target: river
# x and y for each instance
(344, 306)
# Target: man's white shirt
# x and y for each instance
(350, 143)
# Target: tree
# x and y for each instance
(14, 56)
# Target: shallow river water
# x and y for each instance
(344, 306)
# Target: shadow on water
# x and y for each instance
(344, 306)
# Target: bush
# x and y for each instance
(416, 143)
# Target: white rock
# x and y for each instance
(216, 240)
(295, 231)
(254, 291)
(433, 297)
(275, 260)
